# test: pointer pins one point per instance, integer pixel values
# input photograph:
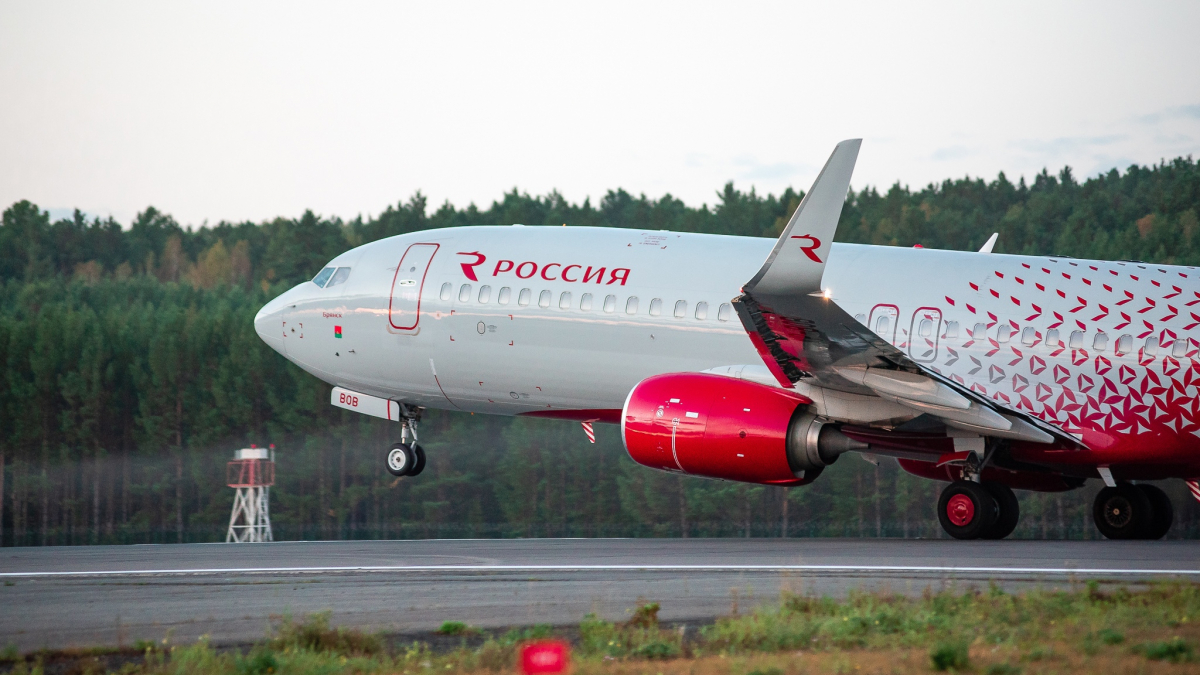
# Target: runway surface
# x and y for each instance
(79, 596)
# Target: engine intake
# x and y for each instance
(721, 427)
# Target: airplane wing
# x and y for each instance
(802, 334)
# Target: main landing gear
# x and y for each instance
(970, 510)
(407, 458)
(1133, 512)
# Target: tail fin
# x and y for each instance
(797, 262)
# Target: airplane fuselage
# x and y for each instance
(565, 321)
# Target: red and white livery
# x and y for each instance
(764, 361)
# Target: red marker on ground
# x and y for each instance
(549, 656)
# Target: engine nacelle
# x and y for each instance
(722, 427)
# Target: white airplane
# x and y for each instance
(763, 361)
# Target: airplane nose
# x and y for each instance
(268, 323)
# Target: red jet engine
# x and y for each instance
(722, 427)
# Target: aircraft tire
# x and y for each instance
(419, 464)
(967, 510)
(1164, 512)
(1009, 513)
(400, 459)
(1123, 512)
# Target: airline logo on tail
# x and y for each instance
(811, 249)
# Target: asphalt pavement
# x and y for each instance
(60, 597)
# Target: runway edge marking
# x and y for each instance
(607, 568)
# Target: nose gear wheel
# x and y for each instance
(401, 459)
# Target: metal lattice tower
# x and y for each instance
(251, 473)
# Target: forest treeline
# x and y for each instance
(132, 372)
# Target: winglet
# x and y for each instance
(797, 262)
(991, 243)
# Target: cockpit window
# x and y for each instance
(339, 277)
(323, 276)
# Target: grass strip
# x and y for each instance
(982, 631)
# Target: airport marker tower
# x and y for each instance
(251, 473)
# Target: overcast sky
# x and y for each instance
(231, 111)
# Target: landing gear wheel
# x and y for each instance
(419, 464)
(1164, 513)
(967, 510)
(401, 460)
(1009, 511)
(1123, 512)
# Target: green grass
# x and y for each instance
(950, 655)
(455, 628)
(1176, 650)
(991, 617)
(989, 632)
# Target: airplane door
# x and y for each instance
(404, 308)
(923, 334)
(883, 321)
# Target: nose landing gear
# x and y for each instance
(407, 458)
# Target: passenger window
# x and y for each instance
(1052, 336)
(564, 300)
(1029, 337)
(631, 305)
(1100, 342)
(544, 299)
(1076, 340)
(339, 277)
(464, 293)
(681, 309)
(881, 325)
(505, 295)
(656, 307)
(1124, 345)
(524, 297)
(610, 304)
(585, 302)
(701, 311)
(447, 288)
(861, 318)
(1003, 333)
(323, 276)
(925, 328)
(952, 329)
(1151, 346)
(724, 312)
(979, 332)
(485, 294)
(1179, 349)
